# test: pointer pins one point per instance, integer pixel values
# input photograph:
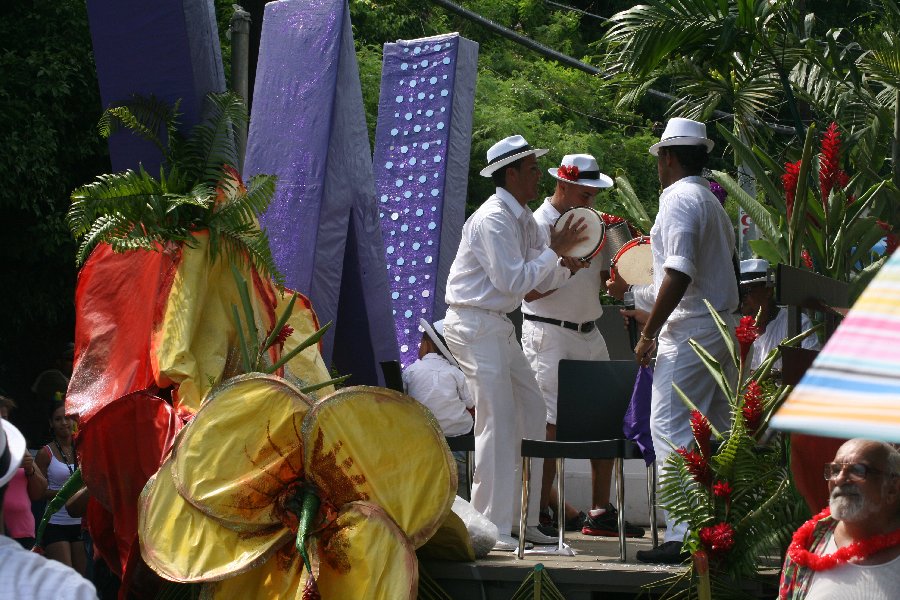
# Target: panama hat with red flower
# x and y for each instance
(581, 169)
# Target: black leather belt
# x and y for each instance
(582, 327)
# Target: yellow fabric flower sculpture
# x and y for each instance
(355, 483)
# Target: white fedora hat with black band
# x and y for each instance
(682, 132)
(508, 150)
(12, 449)
(754, 270)
(436, 333)
(581, 169)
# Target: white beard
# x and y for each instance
(847, 504)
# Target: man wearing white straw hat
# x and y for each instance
(24, 574)
(502, 256)
(560, 324)
(692, 242)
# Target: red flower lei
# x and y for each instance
(569, 172)
(799, 553)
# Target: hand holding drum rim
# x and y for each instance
(564, 239)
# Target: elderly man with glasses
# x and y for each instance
(852, 548)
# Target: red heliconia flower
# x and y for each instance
(568, 172)
(807, 259)
(830, 174)
(789, 181)
(718, 539)
(702, 430)
(892, 239)
(722, 490)
(697, 466)
(752, 409)
(746, 333)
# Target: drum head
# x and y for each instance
(634, 262)
(595, 231)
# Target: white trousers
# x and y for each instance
(676, 362)
(508, 407)
(546, 344)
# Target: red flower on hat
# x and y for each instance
(569, 172)
(610, 220)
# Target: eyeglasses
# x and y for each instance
(855, 471)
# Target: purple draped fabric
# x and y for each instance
(637, 418)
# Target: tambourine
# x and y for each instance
(595, 230)
(634, 262)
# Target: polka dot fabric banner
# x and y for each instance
(421, 168)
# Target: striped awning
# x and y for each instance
(853, 387)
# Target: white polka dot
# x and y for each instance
(384, 198)
(417, 128)
(399, 99)
(399, 183)
(412, 160)
(424, 63)
(437, 47)
(407, 194)
(437, 158)
(400, 261)
(407, 116)
(407, 314)
(446, 60)
(419, 212)
(395, 295)
(444, 92)
(404, 227)
(416, 245)
(388, 165)
(422, 178)
(404, 149)
(428, 260)
(404, 348)
(434, 192)
(420, 95)
(394, 131)
(417, 50)
(432, 225)
(404, 66)
(412, 279)
(440, 125)
(413, 83)
(390, 249)
(433, 80)
(425, 293)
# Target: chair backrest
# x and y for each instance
(593, 397)
(392, 375)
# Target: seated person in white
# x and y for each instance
(758, 298)
(436, 381)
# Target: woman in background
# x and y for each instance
(27, 484)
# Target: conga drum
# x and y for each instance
(634, 262)
(595, 230)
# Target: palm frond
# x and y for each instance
(147, 117)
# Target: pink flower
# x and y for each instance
(702, 430)
(722, 490)
(568, 172)
(697, 466)
(718, 539)
(752, 409)
(746, 333)
(789, 181)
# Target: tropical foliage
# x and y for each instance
(198, 188)
(735, 494)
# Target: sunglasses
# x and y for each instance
(855, 471)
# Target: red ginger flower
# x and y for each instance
(722, 490)
(892, 239)
(568, 172)
(718, 539)
(807, 259)
(702, 430)
(746, 333)
(752, 409)
(789, 181)
(830, 173)
(697, 466)
(284, 334)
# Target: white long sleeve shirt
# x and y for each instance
(441, 387)
(502, 256)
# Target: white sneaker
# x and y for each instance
(534, 535)
(507, 543)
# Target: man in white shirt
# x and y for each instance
(24, 574)
(692, 241)
(502, 256)
(560, 324)
(758, 298)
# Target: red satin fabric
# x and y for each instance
(809, 453)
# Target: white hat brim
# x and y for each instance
(16, 443)
(434, 337)
(682, 141)
(489, 170)
(762, 279)
(603, 182)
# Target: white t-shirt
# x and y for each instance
(578, 299)
(25, 574)
(776, 332)
(441, 387)
(501, 257)
(856, 582)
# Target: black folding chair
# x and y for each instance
(392, 375)
(591, 404)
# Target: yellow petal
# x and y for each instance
(282, 576)
(366, 557)
(182, 544)
(381, 446)
(308, 366)
(242, 450)
(450, 542)
(197, 330)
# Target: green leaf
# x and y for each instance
(764, 248)
(632, 205)
(714, 368)
(759, 213)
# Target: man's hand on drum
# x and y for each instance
(616, 286)
(562, 241)
(574, 264)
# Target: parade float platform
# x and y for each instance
(593, 573)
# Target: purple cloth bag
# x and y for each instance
(636, 423)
